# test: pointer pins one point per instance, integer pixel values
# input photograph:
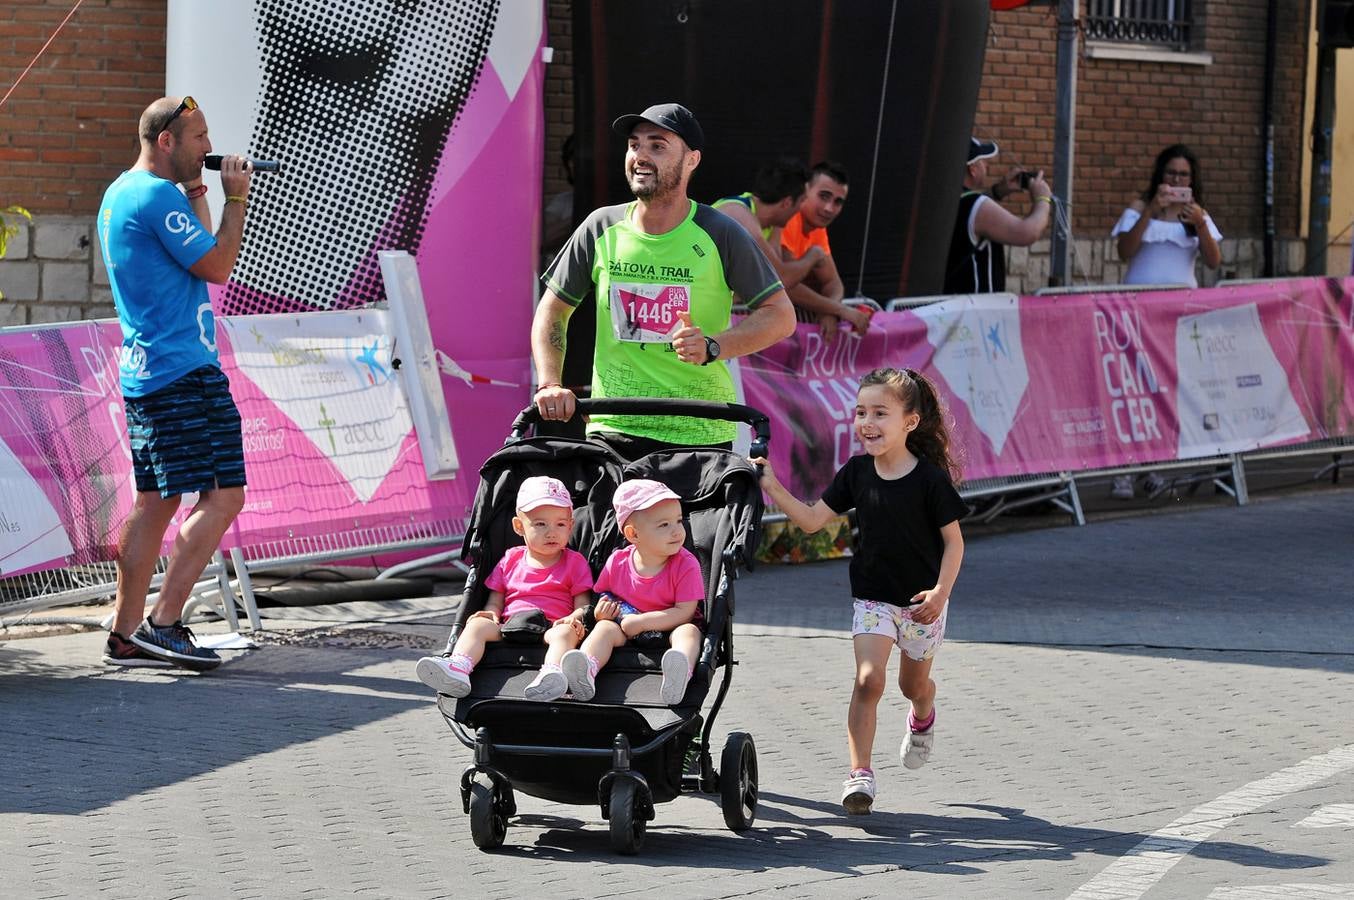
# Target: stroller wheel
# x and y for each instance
(488, 824)
(738, 781)
(627, 820)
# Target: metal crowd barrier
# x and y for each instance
(357, 542)
(94, 581)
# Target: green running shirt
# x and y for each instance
(641, 282)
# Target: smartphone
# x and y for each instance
(1179, 194)
(1024, 178)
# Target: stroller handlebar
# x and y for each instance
(660, 406)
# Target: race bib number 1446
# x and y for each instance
(647, 313)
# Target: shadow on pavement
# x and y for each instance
(74, 742)
(1198, 580)
(952, 845)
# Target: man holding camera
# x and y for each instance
(982, 229)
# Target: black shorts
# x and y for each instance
(186, 436)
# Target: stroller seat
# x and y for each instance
(715, 486)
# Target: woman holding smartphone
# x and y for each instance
(1160, 235)
(1166, 227)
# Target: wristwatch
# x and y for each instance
(711, 350)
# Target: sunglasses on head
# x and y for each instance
(188, 104)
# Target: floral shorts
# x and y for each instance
(917, 641)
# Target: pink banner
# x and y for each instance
(1078, 382)
(329, 443)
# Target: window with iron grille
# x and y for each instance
(1159, 23)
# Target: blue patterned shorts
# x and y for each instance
(186, 436)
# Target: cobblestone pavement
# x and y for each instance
(1148, 707)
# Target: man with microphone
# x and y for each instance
(182, 423)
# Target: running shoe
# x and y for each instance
(174, 644)
(858, 792)
(118, 651)
(917, 747)
(548, 685)
(581, 682)
(438, 673)
(676, 673)
(1122, 487)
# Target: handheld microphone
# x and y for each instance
(213, 162)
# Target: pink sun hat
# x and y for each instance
(542, 490)
(641, 493)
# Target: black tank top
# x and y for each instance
(970, 269)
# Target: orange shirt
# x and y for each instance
(793, 238)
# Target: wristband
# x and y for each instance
(234, 199)
(1048, 200)
(194, 193)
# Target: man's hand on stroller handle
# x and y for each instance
(555, 402)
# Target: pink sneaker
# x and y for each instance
(549, 684)
(676, 673)
(438, 673)
(575, 666)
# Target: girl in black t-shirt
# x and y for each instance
(905, 561)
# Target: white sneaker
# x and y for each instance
(549, 685)
(917, 747)
(575, 668)
(858, 793)
(436, 672)
(1122, 487)
(676, 673)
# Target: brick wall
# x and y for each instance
(1128, 110)
(70, 127)
(65, 133)
(557, 215)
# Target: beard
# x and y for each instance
(664, 183)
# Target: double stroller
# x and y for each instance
(624, 750)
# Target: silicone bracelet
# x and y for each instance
(1048, 200)
(234, 199)
(194, 193)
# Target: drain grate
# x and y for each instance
(351, 639)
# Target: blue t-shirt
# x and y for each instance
(150, 239)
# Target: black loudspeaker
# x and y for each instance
(887, 89)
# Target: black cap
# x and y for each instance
(981, 149)
(673, 116)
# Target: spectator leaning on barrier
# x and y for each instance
(182, 423)
(664, 272)
(777, 189)
(818, 298)
(982, 229)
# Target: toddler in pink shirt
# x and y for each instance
(650, 588)
(542, 578)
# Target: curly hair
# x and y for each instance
(931, 438)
